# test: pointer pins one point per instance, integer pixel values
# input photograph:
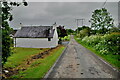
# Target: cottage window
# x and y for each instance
(49, 39)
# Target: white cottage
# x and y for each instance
(36, 37)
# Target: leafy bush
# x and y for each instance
(92, 40)
(114, 29)
(109, 43)
(66, 38)
(84, 32)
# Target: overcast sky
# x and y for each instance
(64, 13)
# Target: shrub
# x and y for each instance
(109, 43)
(66, 38)
(92, 40)
(84, 32)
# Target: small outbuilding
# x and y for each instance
(36, 37)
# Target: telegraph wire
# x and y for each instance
(104, 4)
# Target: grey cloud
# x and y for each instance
(64, 13)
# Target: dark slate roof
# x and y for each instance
(35, 32)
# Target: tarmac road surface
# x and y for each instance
(78, 62)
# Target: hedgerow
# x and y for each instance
(106, 44)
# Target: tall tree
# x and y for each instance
(69, 31)
(61, 31)
(7, 16)
(101, 20)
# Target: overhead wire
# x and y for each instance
(104, 4)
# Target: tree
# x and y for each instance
(69, 31)
(84, 32)
(7, 16)
(61, 31)
(81, 28)
(114, 29)
(119, 25)
(101, 20)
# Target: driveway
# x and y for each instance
(78, 62)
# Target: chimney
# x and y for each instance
(54, 25)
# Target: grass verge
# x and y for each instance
(39, 67)
(111, 59)
(20, 55)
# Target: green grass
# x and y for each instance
(20, 55)
(41, 66)
(112, 59)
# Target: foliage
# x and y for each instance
(84, 32)
(61, 31)
(92, 40)
(109, 43)
(66, 38)
(69, 31)
(114, 29)
(6, 15)
(81, 28)
(119, 24)
(101, 20)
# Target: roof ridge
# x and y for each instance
(33, 31)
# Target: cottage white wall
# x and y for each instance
(55, 37)
(37, 42)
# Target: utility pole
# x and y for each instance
(77, 22)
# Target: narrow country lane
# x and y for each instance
(78, 62)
